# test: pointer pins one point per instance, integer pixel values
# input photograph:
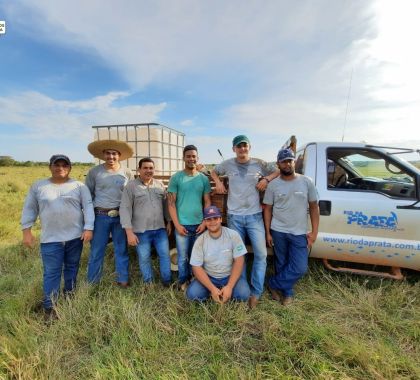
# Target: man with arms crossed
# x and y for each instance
(285, 218)
(217, 260)
(65, 209)
(187, 191)
(106, 183)
(247, 176)
(143, 211)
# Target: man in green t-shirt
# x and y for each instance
(187, 191)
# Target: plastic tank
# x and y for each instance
(162, 144)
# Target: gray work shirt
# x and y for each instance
(290, 203)
(216, 255)
(144, 208)
(106, 186)
(243, 197)
(65, 210)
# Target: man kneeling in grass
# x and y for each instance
(217, 261)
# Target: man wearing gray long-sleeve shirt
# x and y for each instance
(106, 183)
(143, 212)
(65, 209)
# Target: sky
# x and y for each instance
(321, 70)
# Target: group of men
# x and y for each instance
(140, 211)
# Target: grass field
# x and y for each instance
(340, 326)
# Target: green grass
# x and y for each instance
(340, 326)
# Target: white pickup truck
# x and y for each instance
(369, 203)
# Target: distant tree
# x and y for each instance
(7, 161)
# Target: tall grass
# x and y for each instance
(340, 326)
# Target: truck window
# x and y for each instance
(368, 170)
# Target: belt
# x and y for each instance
(112, 212)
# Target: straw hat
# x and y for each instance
(97, 148)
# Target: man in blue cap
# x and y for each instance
(217, 260)
(247, 177)
(285, 217)
(65, 209)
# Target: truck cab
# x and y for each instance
(369, 204)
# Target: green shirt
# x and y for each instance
(189, 192)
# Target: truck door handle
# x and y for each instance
(325, 207)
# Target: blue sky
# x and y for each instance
(210, 69)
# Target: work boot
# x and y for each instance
(122, 284)
(275, 294)
(287, 301)
(50, 314)
(252, 302)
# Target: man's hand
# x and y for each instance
(220, 188)
(216, 294)
(226, 292)
(28, 239)
(86, 236)
(262, 184)
(181, 230)
(168, 228)
(269, 239)
(311, 237)
(132, 238)
(201, 228)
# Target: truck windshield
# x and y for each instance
(369, 170)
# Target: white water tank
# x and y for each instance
(162, 144)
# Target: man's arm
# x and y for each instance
(29, 215)
(268, 216)
(219, 187)
(314, 215)
(88, 214)
(262, 185)
(90, 182)
(126, 216)
(174, 216)
(166, 215)
(207, 202)
(237, 267)
(201, 276)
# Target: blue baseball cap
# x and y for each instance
(240, 139)
(285, 154)
(57, 157)
(212, 212)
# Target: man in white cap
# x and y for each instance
(218, 259)
(285, 216)
(247, 177)
(106, 183)
(65, 209)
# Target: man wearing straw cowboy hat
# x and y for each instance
(106, 183)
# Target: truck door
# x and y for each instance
(369, 207)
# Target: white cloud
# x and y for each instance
(35, 117)
(187, 123)
(149, 42)
(292, 60)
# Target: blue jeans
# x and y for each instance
(291, 261)
(159, 239)
(196, 291)
(253, 226)
(184, 245)
(57, 258)
(104, 225)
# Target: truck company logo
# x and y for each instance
(372, 221)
